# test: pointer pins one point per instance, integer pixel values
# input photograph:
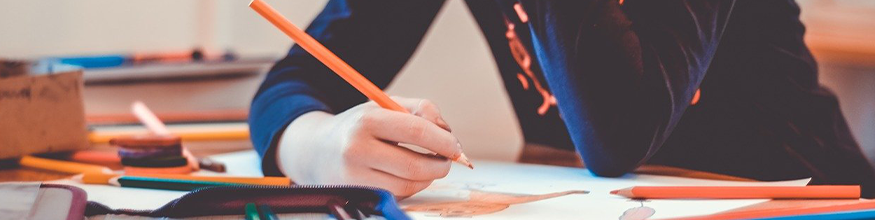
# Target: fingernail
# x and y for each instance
(443, 124)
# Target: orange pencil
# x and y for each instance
(333, 62)
(100, 157)
(202, 133)
(61, 166)
(325, 56)
(740, 192)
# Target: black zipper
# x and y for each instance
(217, 189)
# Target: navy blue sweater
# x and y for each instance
(613, 82)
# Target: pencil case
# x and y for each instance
(28, 200)
(295, 202)
(56, 201)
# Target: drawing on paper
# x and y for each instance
(480, 202)
(638, 213)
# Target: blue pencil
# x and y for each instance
(848, 215)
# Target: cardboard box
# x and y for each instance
(42, 113)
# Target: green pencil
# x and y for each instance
(159, 183)
(251, 212)
(267, 213)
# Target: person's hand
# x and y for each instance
(358, 146)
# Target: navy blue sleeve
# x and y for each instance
(623, 75)
(376, 37)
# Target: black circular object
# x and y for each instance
(155, 162)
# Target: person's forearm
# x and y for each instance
(274, 107)
(288, 153)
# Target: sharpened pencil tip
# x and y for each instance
(464, 161)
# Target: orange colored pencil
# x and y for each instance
(325, 56)
(333, 62)
(61, 166)
(740, 192)
(200, 133)
(100, 157)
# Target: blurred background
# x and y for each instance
(453, 66)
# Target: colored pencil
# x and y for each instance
(98, 178)
(848, 215)
(787, 212)
(251, 212)
(740, 192)
(101, 157)
(61, 166)
(166, 184)
(341, 68)
(331, 60)
(211, 165)
(206, 133)
(267, 213)
(149, 119)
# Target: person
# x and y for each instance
(721, 86)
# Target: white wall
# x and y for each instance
(454, 67)
(62, 27)
(58, 27)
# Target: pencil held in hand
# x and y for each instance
(325, 56)
(740, 192)
(341, 68)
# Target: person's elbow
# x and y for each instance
(619, 147)
(612, 167)
(613, 164)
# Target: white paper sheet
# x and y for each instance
(491, 185)
(493, 179)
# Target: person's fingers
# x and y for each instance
(425, 109)
(404, 163)
(398, 186)
(405, 128)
